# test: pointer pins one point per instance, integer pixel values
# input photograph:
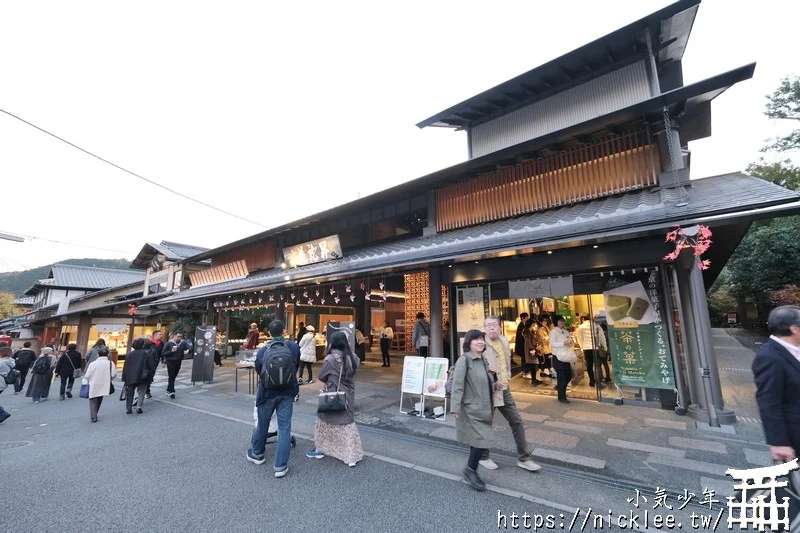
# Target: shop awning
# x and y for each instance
(722, 198)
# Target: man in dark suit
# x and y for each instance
(776, 368)
(519, 341)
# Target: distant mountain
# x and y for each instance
(17, 282)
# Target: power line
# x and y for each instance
(131, 172)
(7, 259)
(75, 244)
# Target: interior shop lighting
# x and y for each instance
(595, 247)
(549, 252)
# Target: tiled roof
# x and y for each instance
(86, 277)
(174, 250)
(729, 193)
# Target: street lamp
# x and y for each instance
(9, 237)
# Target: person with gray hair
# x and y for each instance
(776, 369)
(137, 372)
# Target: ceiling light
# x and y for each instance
(549, 252)
(595, 246)
(476, 262)
(449, 266)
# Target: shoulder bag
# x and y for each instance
(77, 373)
(333, 401)
(423, 339)
(111, 389)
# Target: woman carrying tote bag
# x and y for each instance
(336, 433)
(563, 357)
(99, 375)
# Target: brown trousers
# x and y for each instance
(94, 406)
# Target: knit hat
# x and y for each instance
(47, 350)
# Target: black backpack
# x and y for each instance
(278, 368)
(25, 358)
(42, 365)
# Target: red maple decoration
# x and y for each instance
(132, 309)
(700, 243)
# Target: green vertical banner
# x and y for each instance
(640, 353)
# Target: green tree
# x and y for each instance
(6, 304)
(759, 265)
(782, 173)
(784, 104)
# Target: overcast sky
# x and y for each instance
(277, 110)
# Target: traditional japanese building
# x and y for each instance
(577, 170)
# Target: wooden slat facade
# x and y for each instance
(621, 163)
(235, 270)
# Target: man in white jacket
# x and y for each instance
(590, 337)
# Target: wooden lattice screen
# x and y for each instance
(621, 163)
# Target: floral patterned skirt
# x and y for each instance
(340, 441)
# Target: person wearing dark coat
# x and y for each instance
(519, 340)
(156, 349)
(39, 386)
(137, 372)
(68, 363)
(776, 369)
(173, 353)
(23, 359)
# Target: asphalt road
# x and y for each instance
(173, 469)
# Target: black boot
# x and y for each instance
(474, 481)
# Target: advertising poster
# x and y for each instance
(413, 374)
(435, 376)
(348, 327)
(205, 340)
(640, 353)
(470, 308)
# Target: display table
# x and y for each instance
(251, 377)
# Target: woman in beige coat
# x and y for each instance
(474, 383)
(99, 375)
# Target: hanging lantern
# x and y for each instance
(317, 293)
(366, 297)
(381, 285)
(385, 295)
(310, 301)
(348, 289)
(337, 300)
(352, 297)
(305, 294)
(333, 291)
(260, 300)
(271, 298)
(292, 296)
(322, 301)
(281, 297)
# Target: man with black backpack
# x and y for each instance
(276, 365)
(23, 358)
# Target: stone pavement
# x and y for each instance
(623, 444)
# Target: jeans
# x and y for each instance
(385, 343)
(303, 366)
(140, 389)
(511, 414)
(66, 383)
(173, 367)
(563, 377)
(283, 405)
(475, 455)
(2, 411)
(23, 373)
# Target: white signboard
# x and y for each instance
(435, 376)
(318, 251)
(539, 288)
(470, 313)
(413, 374)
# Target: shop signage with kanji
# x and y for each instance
(316, 251)
(638, 342)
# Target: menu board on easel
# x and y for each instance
(435, 376)
(413, 375)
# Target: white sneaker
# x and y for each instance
(488, 464)
(281, 473)
(528, 465)
(526, 375)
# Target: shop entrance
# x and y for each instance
(616, 321)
